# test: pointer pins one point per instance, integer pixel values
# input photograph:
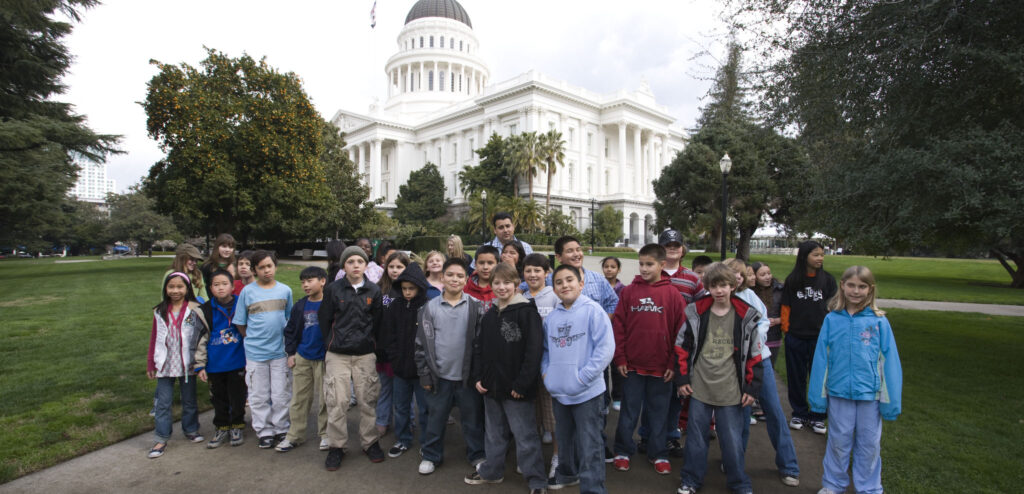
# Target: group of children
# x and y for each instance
(527, 353)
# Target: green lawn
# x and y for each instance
(912, 278)
(73, 356)
(75, 338)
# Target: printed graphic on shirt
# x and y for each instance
(226, 336)
(564, 338)
(868, 334)
(267, 306)
(646, 305)
(309, 319)
(809, 293)
(510, 331)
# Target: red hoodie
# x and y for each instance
(646, 322)
(481, 293)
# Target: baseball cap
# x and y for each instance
(669, 236)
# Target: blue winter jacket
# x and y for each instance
(856, 359)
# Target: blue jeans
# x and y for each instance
(799, 356)
(471, 417)
(729, 424)
(775, 420)
(578, 429)
(384, 400)
(403, 391)
(853, 427)
(513, 419)
(164, 400)
(651, 395)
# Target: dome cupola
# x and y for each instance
(449, 9)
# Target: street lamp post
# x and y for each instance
(483, 215)
(725, 164)
(593, 227)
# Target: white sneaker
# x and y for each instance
(426, 467)
(790, 480)
(546, 438)
(554, 466)
(324, 446)
(753, 421)
(819, 427)
(826, 490)
(796, 423)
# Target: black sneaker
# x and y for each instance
(374, 452)
(675, 449)
(554, 485)
(218, 439)
(641, 446)
(334, 456)
(474, 478)
(278, 438)
(397, 450)
(266, 442)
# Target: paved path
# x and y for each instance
(630, 270)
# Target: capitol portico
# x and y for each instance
(441, 106)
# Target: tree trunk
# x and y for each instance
(743, 244)
(1016, 275)
(715, 243)
(529, 183)
(547, 203)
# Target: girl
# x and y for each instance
(455, 250)
(222, 257)
(434, 263)
(769, 290)
(611, 266)
(178, 327)
(513, 253)
(186, 257)
(804, 301)
(243, 266)
(750, 277)
(858, 377)
(334, 250)
(394, 265)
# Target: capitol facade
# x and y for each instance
(441, 105)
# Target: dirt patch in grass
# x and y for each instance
(23, 302)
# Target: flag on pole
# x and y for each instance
(373, 15)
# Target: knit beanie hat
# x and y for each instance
(353, 250)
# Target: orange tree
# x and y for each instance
(244, 150)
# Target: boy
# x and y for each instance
(720, 374)
(220, 360)
(686, 281)
(535, 269)
(646, 321)
(304, 345)
(349, 322)
(699, 264)
(243, 266)
(578, 346)
(260, 315)
(444, 346)
(568, 250)
(506, 363)
(478, 286)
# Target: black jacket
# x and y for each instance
(350, 318)
(507, 352)
(399, 323)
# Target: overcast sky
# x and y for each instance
(601, 45)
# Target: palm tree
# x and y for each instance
(553, 154)
(525, 213)
(526, 157)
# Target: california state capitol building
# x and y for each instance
(442, 105)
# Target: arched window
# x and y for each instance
(421, 41)
(453, 82)
(431, 41)
(412, 82)
(460, 45)
(460, 83)
(440, 81)
(430, 81)
(442, 41)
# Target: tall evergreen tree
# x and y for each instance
(421, 198)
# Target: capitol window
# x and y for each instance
(440, 81)
(460, 45)
(421, 41)
(453, 82)
(430, 81)
(431, 41)
(442, 41)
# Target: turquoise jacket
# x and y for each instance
(856, 359)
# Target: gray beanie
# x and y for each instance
(353, 250)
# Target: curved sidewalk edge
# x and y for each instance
(990, 309)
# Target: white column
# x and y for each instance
(599, 143)
(375, 169)
(636, 159)
(396, 170)
(621, 186)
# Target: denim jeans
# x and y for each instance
(164, 400)
(471, 417)
(648, 395)
(730, 431)
(775, 420)
(854, 427)
(799, 356)
(512, 419)
(579, 429)
(403, 391)
(384, 403)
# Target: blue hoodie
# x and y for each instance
(578, 346)
(856, 359)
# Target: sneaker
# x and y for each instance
(397, 450)
(554, 466)
(554, 485)
(621, 463)
(266, 442)
(237, 437)
(451, 420)
(157, 451)
(324, 445)
(790, 480)
(426, 467)
(374, 452)
(675, 449)
(819, 427)
(686, 489)
(617, 405)
(476, 463)
(663, 467)
(826, 490)
(796, 423)
(546, 438)
(474, 478)
(195, 437)
(641, 446)
(285, 446)
(279, 437)
(334, 456)
(753, 421)
(218, 439)
(608, 455)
